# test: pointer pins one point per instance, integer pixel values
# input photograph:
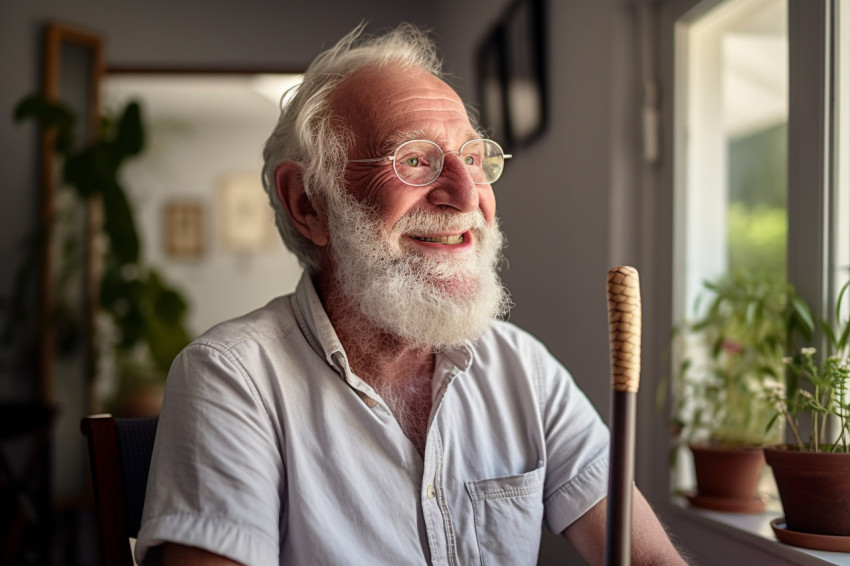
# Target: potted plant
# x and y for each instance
(729, 355)
(813, 471)
(140, 316)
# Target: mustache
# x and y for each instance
(428, 221)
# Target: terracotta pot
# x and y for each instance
(728, 472)
(142, 401)
(814, 489)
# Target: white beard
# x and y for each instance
(433, 302)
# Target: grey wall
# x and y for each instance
(556, 199)
(571, 203)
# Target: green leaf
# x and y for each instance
(48, 115)
(829, 332)
(801, 316)
(119, 224)
(130, 137)
(170, 339)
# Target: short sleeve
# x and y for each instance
(577, 443)
(216, 475)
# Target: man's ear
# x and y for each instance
(308, 216)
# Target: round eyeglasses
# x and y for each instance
(419, 162)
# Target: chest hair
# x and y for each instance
(409, 400)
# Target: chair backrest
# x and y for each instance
(120, 456)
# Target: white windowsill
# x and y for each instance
(755, 530)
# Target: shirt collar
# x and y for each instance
(320, 333)
(316, 325)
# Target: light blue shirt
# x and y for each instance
(270, 450)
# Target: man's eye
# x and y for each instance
(471, 159)
(412, 161)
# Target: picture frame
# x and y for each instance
(184, 229)
(246, 221)
(491, 83)
(513, 56)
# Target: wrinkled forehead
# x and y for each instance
(378, 103)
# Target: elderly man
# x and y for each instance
(382, 414)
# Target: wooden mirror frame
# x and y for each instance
(76, 82)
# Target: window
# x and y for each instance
(731, 216)
(841, 146)
(710, 155)
(734, 97)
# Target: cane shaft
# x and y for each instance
(624, 326)
(620, 479)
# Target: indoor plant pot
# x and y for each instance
(727, 478)
(814, 488)
(813, 476)
(733, 348)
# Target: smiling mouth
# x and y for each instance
(457, 239)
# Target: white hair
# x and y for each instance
(306, 133)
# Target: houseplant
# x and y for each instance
(729, 354)
(140, 314)
(813, 471)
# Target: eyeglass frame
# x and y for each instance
(443, 153)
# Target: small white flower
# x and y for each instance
(808, 351)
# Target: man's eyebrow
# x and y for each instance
(399, 138)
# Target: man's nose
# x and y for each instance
(455, 187)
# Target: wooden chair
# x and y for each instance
(119, 455)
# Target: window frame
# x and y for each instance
(811, 261)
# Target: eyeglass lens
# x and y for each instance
(420, 162)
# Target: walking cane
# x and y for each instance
(624, 320)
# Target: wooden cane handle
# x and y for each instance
(624, 319)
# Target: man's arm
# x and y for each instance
(650, 543)
(182, 555)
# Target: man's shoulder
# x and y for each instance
(506, 334)
(505, 340)
(276, 319)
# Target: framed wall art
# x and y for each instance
(492, 74)
(246, 220)
(184, 229)
(511, 72)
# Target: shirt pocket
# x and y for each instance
(508, 514)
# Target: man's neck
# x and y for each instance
(397, 370)
(373, 354)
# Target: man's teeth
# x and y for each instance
(442, 239)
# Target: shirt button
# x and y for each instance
(371, 403)
(430, 491)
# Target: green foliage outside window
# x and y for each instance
(756, 217)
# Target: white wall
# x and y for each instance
(188, 162)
